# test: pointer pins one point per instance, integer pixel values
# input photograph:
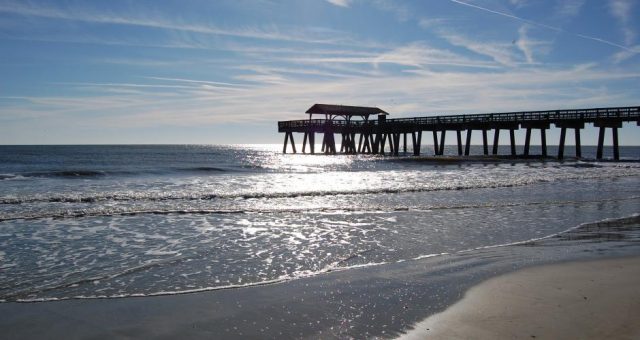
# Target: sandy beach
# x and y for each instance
(576, 300)
(375, 302)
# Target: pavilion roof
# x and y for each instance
(345, 110)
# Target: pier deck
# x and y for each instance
(374, 135)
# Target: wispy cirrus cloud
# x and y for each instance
(624, 55)
(621, 10)
(399, 10)
(524, 44)
(500, 52)
(431, 22)
(341, 3)
(519, 3)
(543, 25)
(414, 55)
(569, 8)
(529, 46)
(136, 19)
(186, 102)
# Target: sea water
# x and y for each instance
(117, 221)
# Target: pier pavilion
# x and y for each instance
(337, 119)
(375, 135)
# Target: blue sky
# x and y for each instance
(201, 71)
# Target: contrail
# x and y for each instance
(554, 28)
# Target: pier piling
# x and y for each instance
(603, 125)
(485, 146)
(436, 150)
(563, 134)
(441, 147)
(496, 138)
(467, 145)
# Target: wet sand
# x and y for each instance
(362, 303)
(575, 300)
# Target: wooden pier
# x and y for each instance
(376, 136)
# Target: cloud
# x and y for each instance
(192, 81)
(539, 24)
(569, 8)
(413, 55)
(400, 11)
(530, 46)
(419, 55)
(624, 55)
(501, 53)
(276, 95)
(159, 22)
(621, 10)
(341, 3)
(524, 44)
(431, 22)
(519, 3)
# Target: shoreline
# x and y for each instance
(580, 299)
(369, 302)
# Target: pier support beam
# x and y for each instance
(396, 143)
(366, 144)
(304, 142)
(468, 143)
(542, 126)
(512, 137)
(485, 145)
(578, 150)
(441, 148)
(577, 125)
(376, 141)
(614, 125)
(348, 144)
(312, 142)
(405, 143)
(286, 140)
(543, 140)
(527, 142)
(563, 134)
(436, 151)
(390, 140)
(459, 137)
(496, 138)
(417, 140)
(288, 136)
(600, 143)
(329, 143)
(352, 143)
(309, 137)
(616, 152)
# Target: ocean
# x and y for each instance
(143, 220)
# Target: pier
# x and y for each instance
(381, 135)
